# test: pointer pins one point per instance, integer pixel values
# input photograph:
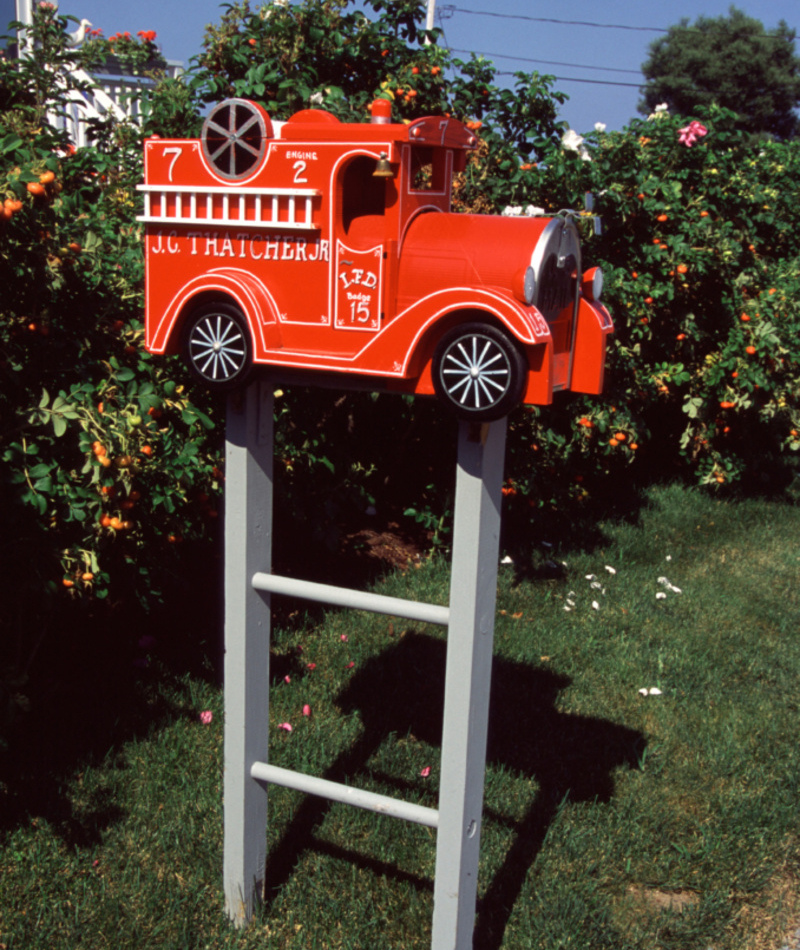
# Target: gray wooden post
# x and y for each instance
(469, 617)
(470, 636)
(248, 548)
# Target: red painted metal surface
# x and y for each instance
(276, 243)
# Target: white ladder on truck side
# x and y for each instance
(469, 619)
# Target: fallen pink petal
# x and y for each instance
(350, 665)
(426, 771)
(343, 638)
(286, 726)
(206, 716)
(311, 666)
(287, 679)
(306, 710)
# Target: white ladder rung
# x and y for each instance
(356, 599)
(233, 209)
(336, 792)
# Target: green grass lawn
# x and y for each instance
(612, 819)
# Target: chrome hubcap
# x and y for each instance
(217, 347)
(476, 372)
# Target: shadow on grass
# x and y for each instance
(401, 692)
(107, 673)
(536, 542)
(110, 672)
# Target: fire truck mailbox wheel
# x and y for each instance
(479, 372)
(234, 138)
(216, 345)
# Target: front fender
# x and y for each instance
(416, 330)
(407, 345)
(593, 326)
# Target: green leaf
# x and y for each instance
(205, 421)
(10, 143)
(91, 241)
(693, 406)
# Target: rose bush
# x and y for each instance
(108, 459)
(136, 54)
(701, 250)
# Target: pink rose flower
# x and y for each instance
(690, 133)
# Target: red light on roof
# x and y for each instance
(381, 110)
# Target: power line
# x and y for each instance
(447, 10)
(548, 62)
(450, 9)
(594, 82)
(539, 19)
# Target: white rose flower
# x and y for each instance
(574, 143)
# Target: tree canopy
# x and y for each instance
(732, 61)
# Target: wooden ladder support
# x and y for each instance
(469, 618)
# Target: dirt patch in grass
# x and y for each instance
(390, 546)
(635, 910)
(656, 899)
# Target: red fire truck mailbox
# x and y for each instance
(325, 246)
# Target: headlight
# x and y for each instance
(525, 285)
(592, 284)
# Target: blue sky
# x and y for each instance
(598, 65)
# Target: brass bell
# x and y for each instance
(382, 168)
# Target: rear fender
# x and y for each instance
(250, 295)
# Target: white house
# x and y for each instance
(110, 93)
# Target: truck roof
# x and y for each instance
(317, 125)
